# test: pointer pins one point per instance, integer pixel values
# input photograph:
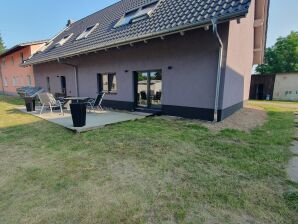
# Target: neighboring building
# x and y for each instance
(13, 75)
(171, 46)
(262, 87)
(282, 86)
(1, 81)
(286, 87)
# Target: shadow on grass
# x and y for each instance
(14, 100)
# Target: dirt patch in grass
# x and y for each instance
(246, 119)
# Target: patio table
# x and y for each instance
(73, 99)
(76, 99)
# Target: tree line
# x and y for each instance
(282, 57)
(2, 46)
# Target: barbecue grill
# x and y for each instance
(29, 94)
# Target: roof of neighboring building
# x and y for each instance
(168, 17)
(20, 46)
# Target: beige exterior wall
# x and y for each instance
(239, 60)
(34, 48)
(286, 87)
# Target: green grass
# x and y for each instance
(146, 171)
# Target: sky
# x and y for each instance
(23, 21)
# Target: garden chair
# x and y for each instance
(48, 100)
(95, 103)
(157, 97)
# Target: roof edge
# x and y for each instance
(20, 46)
(171, 31)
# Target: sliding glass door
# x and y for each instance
(148, 89)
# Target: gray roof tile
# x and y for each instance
(169, 15)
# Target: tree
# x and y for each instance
(282, 57)
(2, 47)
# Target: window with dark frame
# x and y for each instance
(12, 60)
(22, 57)
(136, 14)
(48, 84)
(64, 40)
(107, 83)
(87, 32)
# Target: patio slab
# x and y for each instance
(294, 148)
(292, 169)
(94, 120)
(296, 134)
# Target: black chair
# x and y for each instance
(157, 96)
(95, 103)
(143, 95)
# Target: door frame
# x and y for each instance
(65, 82)
(135, 85)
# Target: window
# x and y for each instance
(14, 81)
(22, 57)
(12, 60)
(136, 15)
(63, 40)
(126, 19)
(107, 82)
(29, 80)
(3, 60)
(48, 84)
(287, 92)
(87, 32)
(5, 82)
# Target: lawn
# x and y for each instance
(146, 171)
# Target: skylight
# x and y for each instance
(87, 32)
(64, 40)
(136, 15)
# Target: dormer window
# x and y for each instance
(63, 40)
(137, 14)
(87, 32)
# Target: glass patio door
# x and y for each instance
(149, 89)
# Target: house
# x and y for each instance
(280, 86)
(286, 87)
(1, 82)
(198, 55)
(12, 74)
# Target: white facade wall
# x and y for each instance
(286, 87)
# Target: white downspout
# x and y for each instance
(76, 74)
(218, 76)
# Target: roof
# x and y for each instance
(168, 17)
(20, 46)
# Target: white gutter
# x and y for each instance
(218, 76)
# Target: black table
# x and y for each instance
(76, 99)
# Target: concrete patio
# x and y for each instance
(94, 120)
